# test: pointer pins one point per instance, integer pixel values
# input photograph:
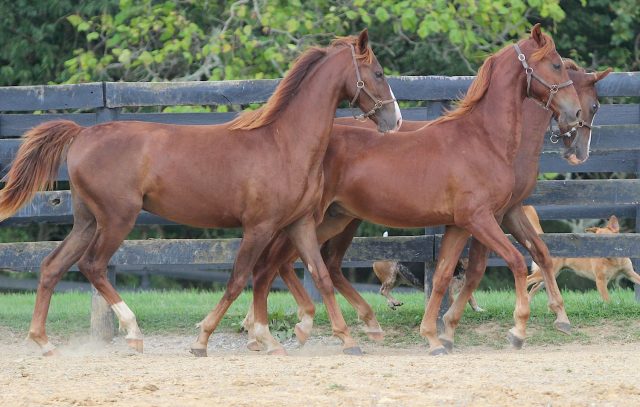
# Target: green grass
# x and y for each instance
(179, 311)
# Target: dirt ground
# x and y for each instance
(89, 374)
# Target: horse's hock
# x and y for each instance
(615, 147)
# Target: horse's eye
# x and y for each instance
(379, 74)
(557, 67)
(595, 107)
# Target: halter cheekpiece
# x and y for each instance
(361, 87)
(553, 89)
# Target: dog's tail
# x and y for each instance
(36, 164)
(409, 277)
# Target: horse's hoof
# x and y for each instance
(254, 345)
(353, 351)
(440, 350)
(515, 341)
(200, 353)
(278, 352)
(564, 327)
(448, 345)
(135, 344)
(376, 336)
(51, 353)
(301, 335)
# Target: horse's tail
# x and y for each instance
(36, 164)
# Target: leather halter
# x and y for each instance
(361, 87)
(553, 89)
(555, 137)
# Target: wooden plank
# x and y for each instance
(599, 161)
(586, 192)
(433, 87)
(580, 245)
(29, 255)
(55, 206)
(619, 84)
(21, 284)
(609, 137)
(15, 125)
(121, 94)
(617, 114)
(48, 97)
(547, 212)
(616, 125)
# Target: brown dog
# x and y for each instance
(600, 270)
(392, 273)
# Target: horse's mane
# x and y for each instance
(289, 85)
(481, 83)
(572, 65)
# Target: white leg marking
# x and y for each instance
(47, 347)
(310, 268)
(127, 320)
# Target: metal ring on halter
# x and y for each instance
(555, 138)
(528, 70)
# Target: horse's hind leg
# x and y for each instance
(113, 225)
(302, 234)
(453, 243)
(264, 273)
(253, 243)
(478, 254)
(54, 266)
(518, 224)
(332, 253)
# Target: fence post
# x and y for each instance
(102, 317)
(310, 286)
(636, 262)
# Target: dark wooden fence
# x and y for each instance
(615, 148)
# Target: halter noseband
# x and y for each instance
(555, 137)
(553, 89)
(360, 87)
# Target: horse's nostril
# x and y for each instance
(578, 113)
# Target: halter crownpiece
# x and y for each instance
(553, 89)
(361, 87)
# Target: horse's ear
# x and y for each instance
(602, 74)
(536, 35)
(613, 224)
(363, 41)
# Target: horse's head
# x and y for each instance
(547, 78)
(367, 87)
(578, 139)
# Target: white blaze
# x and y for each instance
(397, 110)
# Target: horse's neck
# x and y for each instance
(305, 126)
(534, 125)
(499, 112)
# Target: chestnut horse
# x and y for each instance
(456, 171)
(262, 171)
(535, 120)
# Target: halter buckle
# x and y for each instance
(528, 70)
(553, 88)
(360, 84)
(521, 57)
